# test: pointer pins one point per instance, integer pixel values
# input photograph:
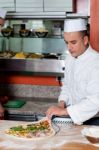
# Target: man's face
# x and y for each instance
(76, 43)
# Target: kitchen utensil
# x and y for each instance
(41, 33)
(20, 117)
(6, 32)
(62, 120)
(14, 103)
(24, 32)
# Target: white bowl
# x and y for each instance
(92, 134)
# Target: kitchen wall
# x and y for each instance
(83, 7)
(35, 91)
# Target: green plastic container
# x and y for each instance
(14, 103)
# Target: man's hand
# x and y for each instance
(1, 112)
(56, 110)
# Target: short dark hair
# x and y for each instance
(84, 33)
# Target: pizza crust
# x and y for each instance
(41, 135)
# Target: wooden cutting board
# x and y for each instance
(77, 146)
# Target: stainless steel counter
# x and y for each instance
(39, 67)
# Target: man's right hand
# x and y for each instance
(57, 111)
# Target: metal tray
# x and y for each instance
(20, 117)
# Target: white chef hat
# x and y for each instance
(2, 13)
(73, 25)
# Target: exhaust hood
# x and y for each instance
(38, 15)
(40, 8)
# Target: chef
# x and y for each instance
(79, 97)
(2, 20)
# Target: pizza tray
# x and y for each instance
(17, 103)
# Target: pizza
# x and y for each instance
(35, 130)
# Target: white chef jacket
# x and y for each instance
(80, 89)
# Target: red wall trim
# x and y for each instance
(41, 80)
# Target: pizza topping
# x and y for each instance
(17, 128)
(39, 129)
